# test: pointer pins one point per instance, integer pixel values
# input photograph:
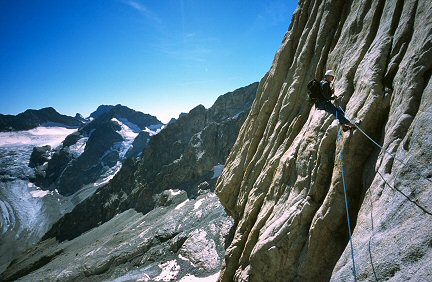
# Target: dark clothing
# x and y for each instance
(330, 108)
(326, 105)
(326, 91)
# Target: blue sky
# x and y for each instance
(161, 57)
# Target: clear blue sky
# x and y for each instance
(161, 57)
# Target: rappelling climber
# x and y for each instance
(327, 94)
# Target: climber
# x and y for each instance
(327, 94)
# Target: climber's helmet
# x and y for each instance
(329, 74)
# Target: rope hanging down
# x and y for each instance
(346, 201)
(425, 210)
(380, 146)
(346, 204)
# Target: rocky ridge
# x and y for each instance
(34, 118)
(282, 181)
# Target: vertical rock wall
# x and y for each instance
(282, 182)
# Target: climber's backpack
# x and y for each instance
(314, 90)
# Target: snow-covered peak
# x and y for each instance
(217, 170)
(135, 128)
(128, 129)
(154, 129)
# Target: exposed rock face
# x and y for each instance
(185, 155)
(179, 239)
(139, 144)
(34, 118)
(39, 156)
(282, 181)
(95, 150)
(79, 117)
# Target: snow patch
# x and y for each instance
(217, 171)
(39, 193)
(186, 259)
(198, 203)
(170, 269)
(178, 160)
(179, 206)
(236, 115)
(192, 278)
(135, 128)
(129, 131)
(39, 136)
(51, 131)
(108, 175)
(154, 129)
(78, 148)
(200, 154)
(175, 193)
(145, 278)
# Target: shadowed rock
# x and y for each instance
(34, 118)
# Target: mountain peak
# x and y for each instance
(33, 118)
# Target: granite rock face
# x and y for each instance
(282, 181)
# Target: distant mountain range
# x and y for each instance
(188, 155)
(161, 187)
(34, 118)
(94, 151)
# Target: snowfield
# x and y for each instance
(26, 211)
(129, 131)
(39, 136)
(217, 171)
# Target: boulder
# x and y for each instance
(39, 155)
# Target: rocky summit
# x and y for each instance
(283, 182)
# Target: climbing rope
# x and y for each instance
(405, 195)
(381, 146)
(346, 203)
(370, 237)
(385, 182)
(394, 156)
(373, 141)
